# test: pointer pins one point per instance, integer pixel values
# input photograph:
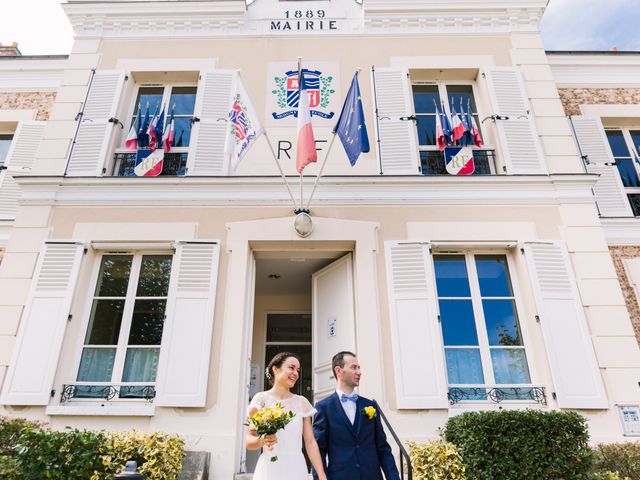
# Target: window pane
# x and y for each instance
(502, 322)
(5, 142)
(424, 97)
(184, 99)
(426, 126)
(432, 163)
(461, 93)
(464, 366)
(114, 276)
(104, 323)
(451, 276)
(141, 365)
(635, 138)
(288, 328)
(458, 324)
(154, 276)
(617, 143)
(96, 364)
(493, 276)
(148, 97)
(628, 173)
(147, 322)
(510, 366)
(634, 200)
(183, 132)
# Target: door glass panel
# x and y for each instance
(154, 276)
(451, 276)
(104, 323)
(628, 174)
(493, 276)
(510, 366)
(147, 322)
(502, 322)
(617, 143)
(114, 276)
(458, 322)
(464, 366)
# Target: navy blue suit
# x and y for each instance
(354, 452)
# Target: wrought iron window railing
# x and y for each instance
(432, 162)
(107, 392)
(497, 394)
(174, 164)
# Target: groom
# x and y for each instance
(348, 429)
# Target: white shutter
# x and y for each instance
(518, 135)
(209, 134)
(186, 340)
(20, 158)
(574, 368)
(397, 136)
(95, 135)
(35, 357)
(609, 191)
(418, 353)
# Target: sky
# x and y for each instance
(41, 28)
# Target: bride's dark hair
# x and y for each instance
(277, 362)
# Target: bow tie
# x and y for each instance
(345, 398)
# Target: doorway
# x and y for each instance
(304, 303)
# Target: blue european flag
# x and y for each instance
(351, 127)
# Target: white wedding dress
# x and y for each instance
(290, 464)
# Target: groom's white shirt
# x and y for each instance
(349, 407)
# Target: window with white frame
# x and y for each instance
(121, 347)
(178, 99)
(484, 349)
(5, 143)
(447, 97)
(625, 146)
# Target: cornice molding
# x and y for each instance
(621, 231)
(158, 19)
(332, 191)
(606, 71)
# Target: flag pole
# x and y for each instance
(286, 183)
(326, 157)
(299, 90)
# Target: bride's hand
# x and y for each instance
(268, 441)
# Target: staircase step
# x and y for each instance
(249, 476)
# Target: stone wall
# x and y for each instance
(40, 101)
(572, 98)
(619, 254)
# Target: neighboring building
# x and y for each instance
(154, 302)
(600, 92)
(28, 86)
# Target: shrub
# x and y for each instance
(608, 476)
(159, 455)
(522, 445)
(58, 455)
(10, 430)
(623, 458)
(436, 461)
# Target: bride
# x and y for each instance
(283, 372)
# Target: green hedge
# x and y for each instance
(522, 445)
(30, 451)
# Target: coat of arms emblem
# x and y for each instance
(319, 88)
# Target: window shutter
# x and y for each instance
(95, 134)
(20, 158)
(609, 191)
(574, 368)
(35, 357)
(418, 352)
(518, 135)
(209, 134)
(396, 134)
(186, 341)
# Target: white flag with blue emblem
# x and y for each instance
(244, 125)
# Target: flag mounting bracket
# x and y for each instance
(303, 225)
(116, 121)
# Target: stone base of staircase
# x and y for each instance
(195, 466)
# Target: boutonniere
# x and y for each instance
(370, 412)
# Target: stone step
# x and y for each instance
(249, 476)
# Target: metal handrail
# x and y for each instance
(404, 455)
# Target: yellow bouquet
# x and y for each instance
(268, 421)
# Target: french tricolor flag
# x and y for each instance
(440, 138)
(131, 142)
(151, 132)
(457, 126)
(306, 147)
(169, 133)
